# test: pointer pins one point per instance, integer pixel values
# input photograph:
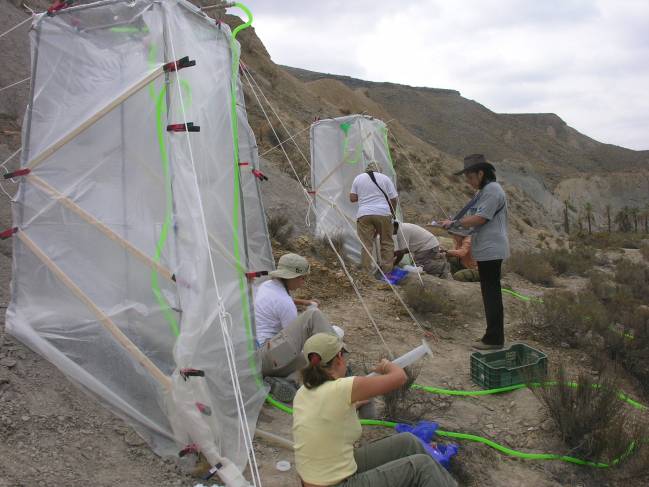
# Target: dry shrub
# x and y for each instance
(634, 277)
(322, 246)
(532, 266)
(644, 250)
(564, 316)
(566, 262)
(431, 297)
(590, 418)
(279, 228)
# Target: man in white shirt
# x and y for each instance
(281, 332)
(423, 246)
(377, 201)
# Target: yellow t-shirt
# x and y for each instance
(325, 427)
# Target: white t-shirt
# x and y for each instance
(274, 309)
(370, 199)
(417, 239)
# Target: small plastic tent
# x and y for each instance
(341, 148)
(138, 222)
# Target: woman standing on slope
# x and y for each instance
(486, 214)
(326, 425)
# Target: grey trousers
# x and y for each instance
(397, 461)
(282, 355)
(433, 263)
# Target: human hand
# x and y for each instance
(447, 223)
(382, 367)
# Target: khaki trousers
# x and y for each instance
(282, 355)
(368, 227)
(397, 461)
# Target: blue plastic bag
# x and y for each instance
(425, 431)
(395, 276)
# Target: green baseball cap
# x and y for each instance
(290, 266)
(324, 344)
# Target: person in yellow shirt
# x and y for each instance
(326, 425)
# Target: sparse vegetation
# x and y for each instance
(427, 298)
(532, 266)
(644, 250)
(323, 248)
(590, 419)
(279, 228)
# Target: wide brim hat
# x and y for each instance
(290, 266)
(373, 166)
(475, 162)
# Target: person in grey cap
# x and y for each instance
(486, 215)
(377, 202)
(281, 332)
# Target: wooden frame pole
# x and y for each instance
(71, 205)
(44, 154)
(103, 318)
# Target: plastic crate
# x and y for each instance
(514, 365)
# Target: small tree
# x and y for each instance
(566, 220)
(588, 209)
(623, 220)
(635, 213)
(608, 217)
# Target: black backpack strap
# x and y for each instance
(371, 175)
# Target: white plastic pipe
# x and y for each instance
(412, 356)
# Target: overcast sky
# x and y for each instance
(585, 60)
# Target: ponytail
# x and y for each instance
(315, 373)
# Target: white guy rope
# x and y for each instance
(285, 140)
(15, 27)
(309, 201)
(16, 83)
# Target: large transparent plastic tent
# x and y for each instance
(341, 148)
(139, 223)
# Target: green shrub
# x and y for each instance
(566, 262)
(532, 266)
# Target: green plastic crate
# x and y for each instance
(508, 367)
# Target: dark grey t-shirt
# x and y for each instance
(489, 241)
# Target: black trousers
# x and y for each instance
(492, 299)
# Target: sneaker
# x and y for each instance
(480, 345)
(282, 389)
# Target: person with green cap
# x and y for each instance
(486, 216)
(326, 425)
(377, 202)
(281, 332)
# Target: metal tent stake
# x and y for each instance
(103, 318)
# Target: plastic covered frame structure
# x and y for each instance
(135, 235)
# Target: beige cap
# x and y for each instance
(290, 266)
(324, 344)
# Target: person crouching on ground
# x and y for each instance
(423, 246)
(377, 202)
(326, 425)
(281, 332)
(463, 267)
(486, 213)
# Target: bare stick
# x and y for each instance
(273, 438)
(103, 318)
(68, 203)
(95, 117)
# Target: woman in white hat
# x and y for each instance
(326, 425)
(281, 332)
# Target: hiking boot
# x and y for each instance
(282, 389)
(480, 345)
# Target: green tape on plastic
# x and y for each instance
(359, 148)
(166, 224)
(237, 192)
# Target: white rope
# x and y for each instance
(234, 376)
(310, 203)
(5, 171)
(353, 232)
(285, 140)
(16, 83)
(15, 27)
(277, 116)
